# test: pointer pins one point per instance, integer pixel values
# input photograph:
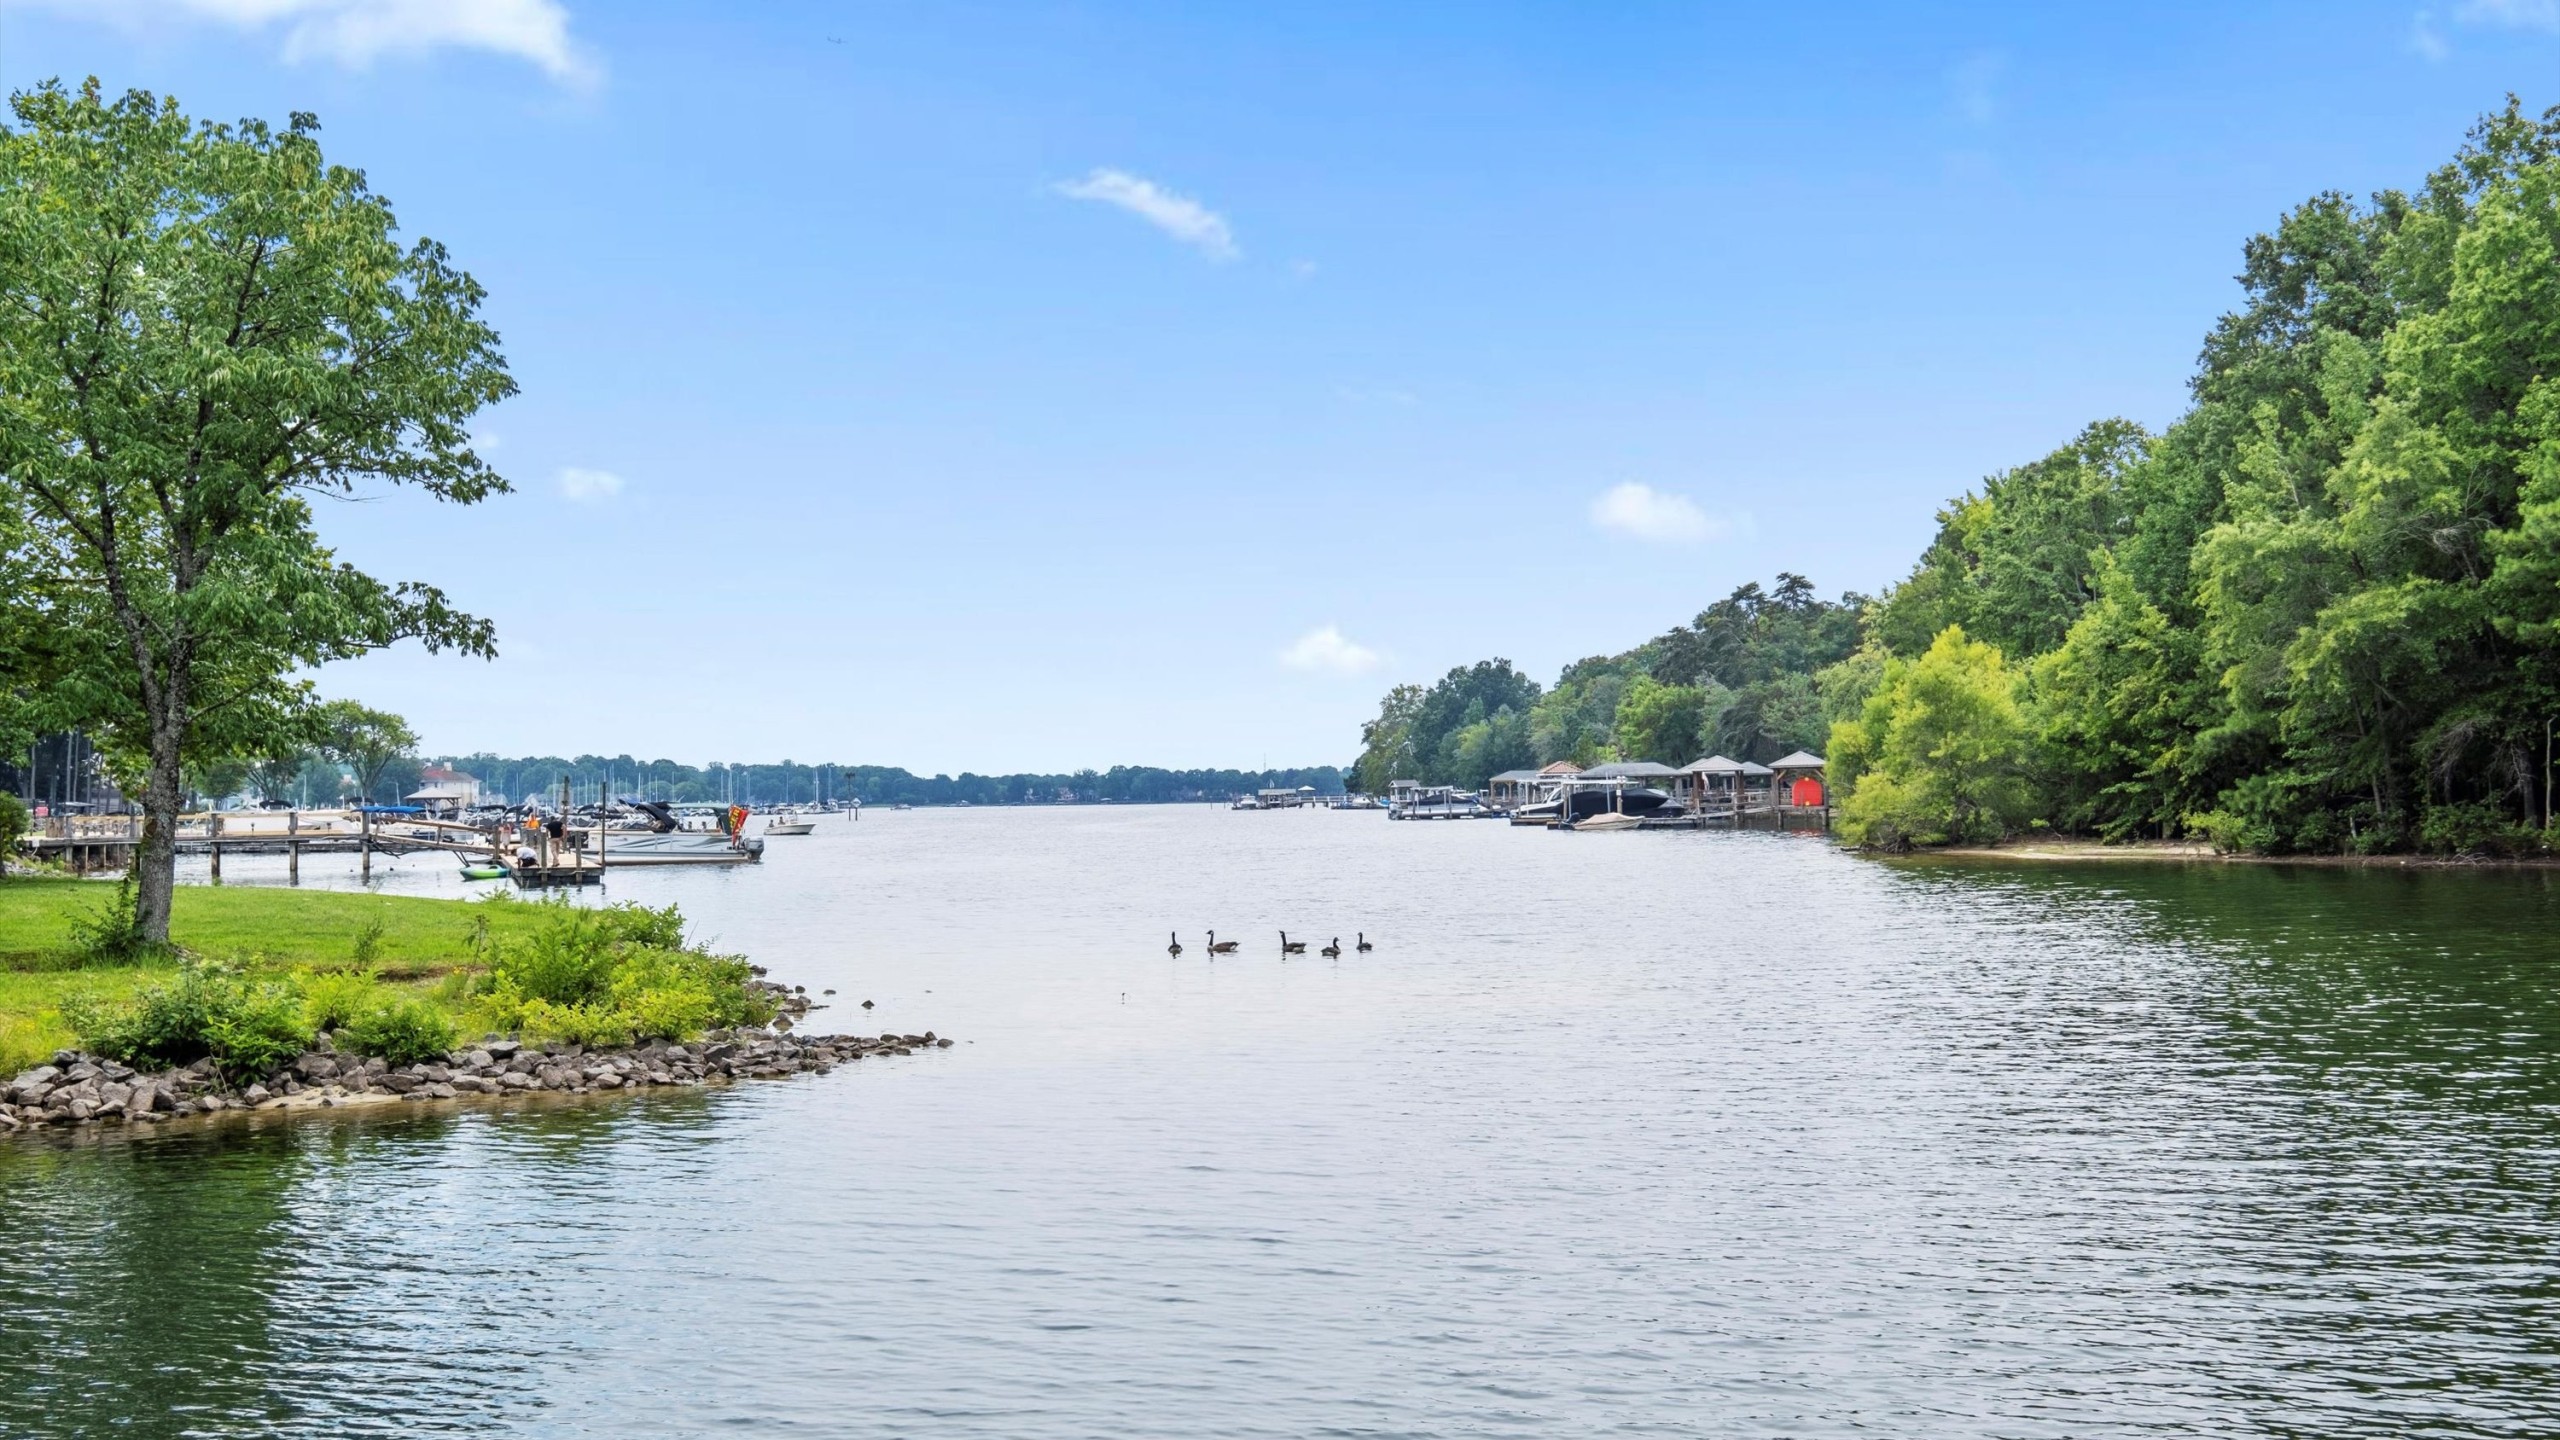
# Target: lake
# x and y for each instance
(1630, 1134)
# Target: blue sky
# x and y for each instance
(1041, 385)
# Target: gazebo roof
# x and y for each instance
(1798, 761)
(1630, 770)
(1515, 776)
(1715, 765)
(1754, 767)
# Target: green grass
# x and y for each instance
(268, 928)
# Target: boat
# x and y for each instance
(1610, 820)
(788, 822)
(670, 842)
(484, 872)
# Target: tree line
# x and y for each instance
(1745, 678)
(788, 783)
(2317, 613)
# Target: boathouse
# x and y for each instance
(1797, 781)
(1513, 789)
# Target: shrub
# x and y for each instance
(332, 998)
(112, 933)
(13, 827)
(613, 976)
(1937, 752)
(401, 1029)
(2476, 829)
(249, 1027)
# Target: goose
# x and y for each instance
(1176, 947)
(1222, 947)
(1365, 946)
(1291, 947)
(1332, 951)
(866, 1004)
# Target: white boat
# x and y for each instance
(1608, 820)
(788, 822)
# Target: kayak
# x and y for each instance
(484, 872)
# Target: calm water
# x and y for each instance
(1631, 1134)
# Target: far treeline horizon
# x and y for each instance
(2319, 612)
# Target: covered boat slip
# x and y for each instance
(1787, 794)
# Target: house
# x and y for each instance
(445, 792)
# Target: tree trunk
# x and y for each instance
(155, 861)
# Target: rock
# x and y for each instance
(325, 1043)
(438, 1090)
(80, 1109)
(79, 1070)
(42, 1075)
(8, 1123)
(516, 1080)
(215, 1103)
(501, 1049)
(164, 1100)
(397, 1083)
(434, 1074)
(255, 1095)
(477, 1060)
(316, 1066)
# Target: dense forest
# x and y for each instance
(1743, 678)
(2319, 612)
(788, 783)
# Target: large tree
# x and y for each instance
(368, 742)
(205, 327)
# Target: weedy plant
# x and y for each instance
(615, 976)
(248, 1026)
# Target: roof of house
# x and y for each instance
(443, 792)
(1801, 760)
(438, 774)
(1630, 770)
(1561, 767)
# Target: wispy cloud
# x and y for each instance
(586, 487)
(2511, 14)
(2425, 39)
(1970, 87)
(355, 33)
(1328, 650)
(1179, 216)
(1641, 512)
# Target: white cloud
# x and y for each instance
(355, 33)
(1644, 513)
(588, 486)
(1970, 86)
(1179, 216)
(1326, 648)
(2424, 37)
(2511, 14)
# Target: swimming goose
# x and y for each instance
(1291, 947)
(1365, 946)
(1332, 951)
(1176, 947)
(1222, 947)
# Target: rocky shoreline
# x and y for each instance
(82, 1089)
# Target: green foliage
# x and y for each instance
(13, 827)
(209, 327)
(111, 934)
(401, 1029)
(1939, 752)
(332, 999)
(249, 1027)
(616, 975)
(1659, 722)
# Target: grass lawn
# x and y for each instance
(274, 929)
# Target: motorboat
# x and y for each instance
(669, 842)
(788, 822)
(1580, 804)
(1609, 820)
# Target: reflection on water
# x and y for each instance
(1666, 1134)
